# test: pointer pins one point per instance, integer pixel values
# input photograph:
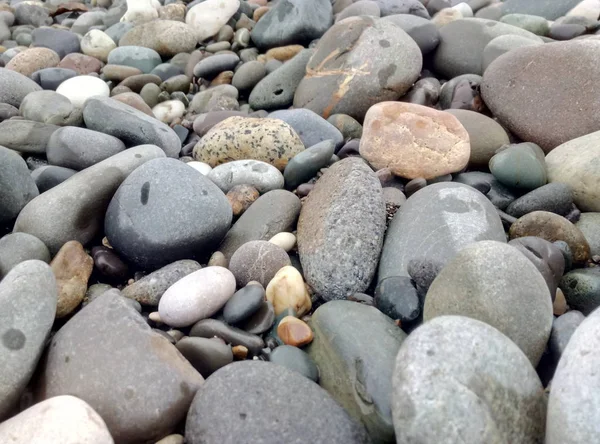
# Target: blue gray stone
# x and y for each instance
(18, 188)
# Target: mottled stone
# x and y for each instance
(72, 267)
(261, 175)
(166, 37)
(257, 261)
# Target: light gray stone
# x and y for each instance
(16, 185)
(261, 175)
(20, 247)
(26, 136)
(50, 107)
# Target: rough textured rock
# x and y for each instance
(166, 37)
(344, 209)
(257, 261)
(18, 188)
(490, 391)
(261, 175)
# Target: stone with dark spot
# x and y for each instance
(397, 298)
(350, 70)
(49, 176)
(340, 230)
(115, 385)
(261, 175)
(581, 288)
(257, 261)
(28, 297)
(306, 164)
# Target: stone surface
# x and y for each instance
(589, 225)
(522, 99)
(257, 261)
(20, 247)
(206, 355)
(32, 60)
(553, 197)
(222, 407)
(513, 298)
(161, 194)
(72, 267)
(311, 127)
(563, 328)
(490, 391)
(74, 210)
(345, 76)
(97, 44)
(422, 31)
(166, 37)
(79, 89)
(520, 166)
(306, 164)
(397, 298)
(549, 10)
(414, 140)
(581, 288)
(296, 360)
(573, 163)
(456, 213)
(145, 59)
(115, 385)
(244, 303)
(25, 136)
(345, 208)
(18, 188)
(47, 177)
(15, 86)
(50, 107)
(28, 299)
(294, 331)
(503, 44)
(60, 41)
(260, 321)
(261, 175)
(354, 347)
(209, 328)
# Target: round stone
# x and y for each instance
(166, 37)
(520, 166)
(32, 60)
(581, 288)
(296, 360)
(145, 59)
(244, 303)
(397, 298)
(257, 261)
(294, 331)
(20, 247)
(79, 89)
(97, 44)
(287, 290)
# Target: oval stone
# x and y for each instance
(261, 175)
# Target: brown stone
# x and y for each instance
(32, 60)
(137, 82)
(239, 352)
(552, 227)
(241, 197)
(259, 12)
(80, 63)
(69, 7)
(72, 267)
(559, 307)
(135, 100)
(294, 331)
(223, 78)
(284, 53)
(414, 140)
(118, 73)
(173, 11)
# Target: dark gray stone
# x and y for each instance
(119, 361)
(270, 214)
(61, 41)
(563, 328)
(50, 78)
(513, 298)
(49, 176)
(306, 164)
(500, 195)
(14, 87)
(354, 347)
(30, 14)
(208, 328)
(132, 126)
(488, 387)
(345, 208)
(18, 188)
(423, 272)
(292, 21)
(7, 111)
(397, 298)
(361, 7)
(207, 355)
(435, 223)
(260, 321)
(257, 261)
(422, 31)
(311, 127)
(248, 75)
(166, 211)
(296, 360)
(209, 67)
(581, 288)
(276, 411)
(244, 303)
(20, 247)
(79, 148)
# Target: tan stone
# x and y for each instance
(117, 73)
(294, 331)
(239, 352)
(218, 259)
(134, 100)
(413, 140)
(284, 53)
(72, 267)
(287, 241)
(552, 227)
(173, 11)
(81, 63)
(259, 12)
(32, 60)
(223, 78)
(241, 197)
(287, 290)
(559, 307)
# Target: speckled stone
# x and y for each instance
(257, 261)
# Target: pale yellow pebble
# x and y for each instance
(287, 290)
(287, 241)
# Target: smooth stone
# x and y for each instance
(244, 303)
(348, 126)
(573, 163)
(51, 108)
(311, 127)
(79, 89)
(420, 29)
(94, 291)
(292, 21)
(520, 166)
(49, 176)
(354, 79)
(261, 321)
(169, 111)
(462, 43)
(514, 299)
(25, 136)
(18, 188)
(201, 167)
(261, 175)
(550, 11)
(206, 355)
(154, 198)
(458, 215)
(85, 21)
(562, 329)
(243, 138)
(216, 98)
(532, 23)
(208, 328)
(257, 261)
(581, 288)
(145, 59)
(72, 268)
(413, 140)
(287, 241)
(362, 7)
(74, 210)
(31, 14)
(306, 164)
(524, 104)
(390, 7)
(51, 78)
(354, 348)
(208, 17)
(149, 289)
(118, 30)
(32, 60)
(552, 227)
(295, 360)
(133, 127)
(115, 385)
(210, 67)
(589, 225)
(20, 247)
(248, 75)
(15, 86)
(197, 296)
(134, 100)
(166, 37)
(28, 297)
(503, 44)
(137, 82)
(471, 368)
(397, 298)
(485, 135)
(109, 264)
(277, 89)
(345, 208)
(264, 418)
(287, 291)
(97, 44)
(60, 41)
(7, 111)
(294, 331)
(172, 439)
(500, 195)
(119, 73)
(572, 407)
(553, 197)
(80, 148)
(49, 417)
(81, 64)
(204, 122)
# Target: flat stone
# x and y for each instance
(74, 210)
(166, 37)
(589, 225)
(260, 175)
(145, 59)
(18, 188)
(311, 127)
(244, 303)
(345, 208)
(72, 267)
(354, 348)
(28, 299)
(458, 215)
(120, 359)
(553, 197)
(206, 355)
(15, 86)
(222, 408)
(208, 328)
(471, 368)
(306, 164)
(581, 288)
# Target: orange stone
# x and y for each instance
(72, 267)
(259, 12)
(283, 53)
(413, 140)
(223, 78)
(294, 331)
(239, 352)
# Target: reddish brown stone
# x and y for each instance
(81, 63)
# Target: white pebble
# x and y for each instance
(202, 167)
(97, 44)
(284, 240)
(168, 111)
(79, 89)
